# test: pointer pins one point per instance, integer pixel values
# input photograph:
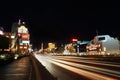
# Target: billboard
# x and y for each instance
(25, 36)
(26, 42)
(22, 29)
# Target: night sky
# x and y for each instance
(60, 21)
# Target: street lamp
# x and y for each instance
(78, 49)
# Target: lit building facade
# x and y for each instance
(51, 47)
(23, 39)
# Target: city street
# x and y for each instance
(64, 42)
(80, 68)
(54, 67)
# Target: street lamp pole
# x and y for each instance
(78, 49)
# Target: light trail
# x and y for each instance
(91, 68)
(73, 67)
(88, 61)
(90, 75)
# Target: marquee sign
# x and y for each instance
(22, 29)
(25, 36)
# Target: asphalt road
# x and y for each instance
(80, 68)
(47, 67)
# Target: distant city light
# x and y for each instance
(74, 39)
(1, 32)
(26, 42)
(12, 37)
